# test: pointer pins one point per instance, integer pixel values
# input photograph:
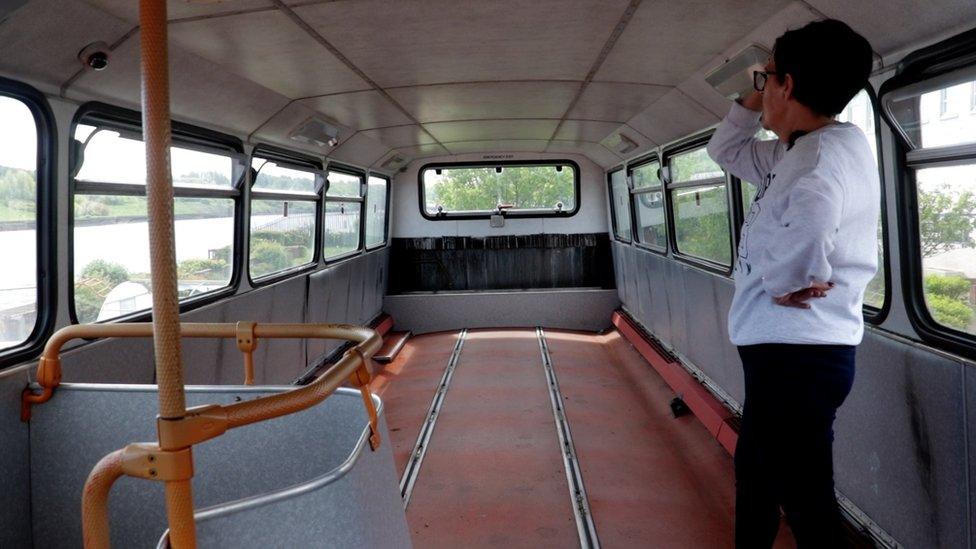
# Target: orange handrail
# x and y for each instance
(171, 459)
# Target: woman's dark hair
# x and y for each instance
(829, 62)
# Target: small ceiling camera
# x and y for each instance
(95, 56)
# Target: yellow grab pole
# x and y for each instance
(159, 191)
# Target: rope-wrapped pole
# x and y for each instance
(162, 243)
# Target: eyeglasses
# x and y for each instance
(759, 79)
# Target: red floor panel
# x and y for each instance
(407, 386)
(493, 474)
(651, 479)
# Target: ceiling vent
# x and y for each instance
(623, 144)
(394, 162)
(733, 79)
(316, 131)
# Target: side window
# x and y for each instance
(110, 238)
(648, 195)
(284, 208)
(343, 214)
(620, 206)
(700, 205)
(377, 192)
(19, 163)
(945, 186)
(860, 112)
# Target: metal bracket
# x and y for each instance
(247, 342)
(361, 378)
(200, 423)
(146, 460)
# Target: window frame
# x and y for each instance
(516, 214)
(697, 141)
(634, 193)
(45, 224)
(361, 199)
(296, 161)
(613, 207)
(386, 218)
(925, 65)
(105, 116)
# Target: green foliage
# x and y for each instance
(112, 274)
(947, 297)
(950, 312)
(203, 269)
(946, 221)
(268, 182)
(268, 257)
(484, 189)
(96, 280)
(18, 194)
(702, 224)
(285, 238)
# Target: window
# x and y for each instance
(620, 206)
(376, 199)
(343, 213)
(943, 102)
(110, 239)
(944, 267)
(700, 205)
(972, 96)
(649, 205)
(517, 189)
(860, 112)
(19, 219)
(284, 208)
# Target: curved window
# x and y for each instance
(284, 209)
(19, 162)
(517, 189)
(110, 237)
(343, 214)
(649, 206)
(377, 193)
(699, 200)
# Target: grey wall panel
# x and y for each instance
(630, 264)
(212, 361)
(15, 523)
(900, 443)
(705, 326)
(659, 316)
(619, 273)
(319, 297)
(357, 279)
(423, 313)
(110, 361)
(643, 283)
(676, 294)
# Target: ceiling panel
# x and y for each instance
(129, 9)
(419, 151)
(905, 21)
(41, 40)
(585, 130)
(672, 117)
(269, 49)
(648, 50)
(487, 100)
(492, 129)
(615, 101)
(401, 136)
(498, 145)
(594, 151)
(359, 150)
(439, 41)
(200, 92)
(361, 110)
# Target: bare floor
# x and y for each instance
(493, 474)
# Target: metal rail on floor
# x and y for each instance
(581, 506)
(412, 470)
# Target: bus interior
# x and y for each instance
(483, 240)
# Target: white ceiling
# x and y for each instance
(434, 77)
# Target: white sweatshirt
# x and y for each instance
(815, 217)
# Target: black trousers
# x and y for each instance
(784, 454)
